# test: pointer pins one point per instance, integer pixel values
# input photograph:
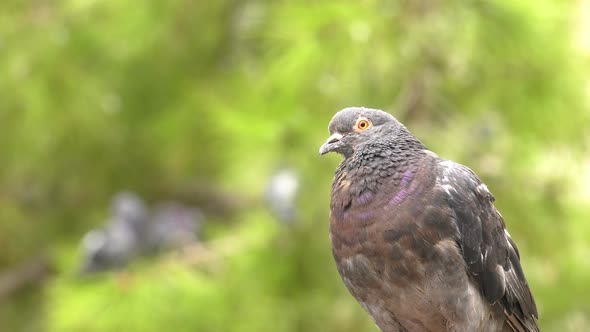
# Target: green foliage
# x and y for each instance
(233, 290)
(160, 97)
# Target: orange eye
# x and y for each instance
(363, 124)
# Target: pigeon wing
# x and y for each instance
(491, 256)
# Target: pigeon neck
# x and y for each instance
(387, 175)
(383, 168)
(378, 165)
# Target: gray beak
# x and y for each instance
(330, 144)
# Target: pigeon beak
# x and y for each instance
(330, 144)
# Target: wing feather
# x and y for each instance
(490, 254)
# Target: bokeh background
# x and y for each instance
(203, 102)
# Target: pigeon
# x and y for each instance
(121, 240)
(173, 226)
(134, 231)
(417, 239)
(281, 195)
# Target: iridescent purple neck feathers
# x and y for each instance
(405, 189)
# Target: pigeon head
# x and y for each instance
(353, 127)
(128, 207)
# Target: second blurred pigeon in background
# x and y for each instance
(133, 231)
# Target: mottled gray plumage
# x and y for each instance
(416, 239)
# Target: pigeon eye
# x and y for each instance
(363, 124)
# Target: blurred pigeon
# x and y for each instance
(416, 239)
(281, 194)
(121, 240)
(173, 226)
(132, 231)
